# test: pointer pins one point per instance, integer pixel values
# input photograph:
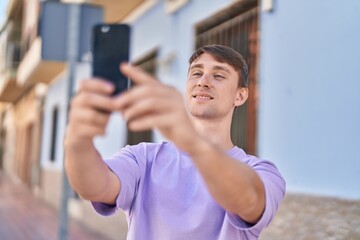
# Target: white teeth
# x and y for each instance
(203, 97)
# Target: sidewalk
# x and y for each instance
(300, 217)
(23, 216)
(305, 217)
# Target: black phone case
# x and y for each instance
(111, 43)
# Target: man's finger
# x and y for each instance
(94, 100)
(148, 106)
(141, 92)
(136, 74)
(90, 117)
(97, 85)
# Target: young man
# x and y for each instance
(196, 186)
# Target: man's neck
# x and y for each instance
(217, 132)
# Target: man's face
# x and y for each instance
(212, 88)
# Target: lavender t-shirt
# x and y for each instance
(164, 196)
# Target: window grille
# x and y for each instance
(148, 63)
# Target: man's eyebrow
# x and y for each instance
(216, 67)
(198, 65)
(222, 68)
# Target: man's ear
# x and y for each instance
(242, 95)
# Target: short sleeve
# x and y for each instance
(127, 168)
(274, 186)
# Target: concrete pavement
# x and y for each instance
(23, 216)
(300, 217)
(305, 217)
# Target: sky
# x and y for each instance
(3, 4)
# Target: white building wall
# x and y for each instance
(55, 96)
(309, 101)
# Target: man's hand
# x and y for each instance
(90, 110)
(151, 104)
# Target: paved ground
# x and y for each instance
(300, 217)
(22, 216)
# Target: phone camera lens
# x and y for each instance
(105, 29)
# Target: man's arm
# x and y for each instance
(233, 184)
(88, 174)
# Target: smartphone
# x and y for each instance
(111, 44)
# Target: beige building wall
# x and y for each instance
(9, 144)
(26, 125)
(51, 186)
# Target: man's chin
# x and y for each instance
(202, 115)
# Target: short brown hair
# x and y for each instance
(228, 55)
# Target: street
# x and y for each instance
(23, 216)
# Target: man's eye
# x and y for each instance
(196, 74)
(218, 76)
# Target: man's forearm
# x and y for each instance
(88, 174)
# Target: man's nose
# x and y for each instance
(204, 81)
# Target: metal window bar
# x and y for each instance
(148, 63)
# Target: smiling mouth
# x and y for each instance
(202, 97)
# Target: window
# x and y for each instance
(237, 27)
(54, 128)
(148, 63)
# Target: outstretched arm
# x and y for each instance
(88, 117)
